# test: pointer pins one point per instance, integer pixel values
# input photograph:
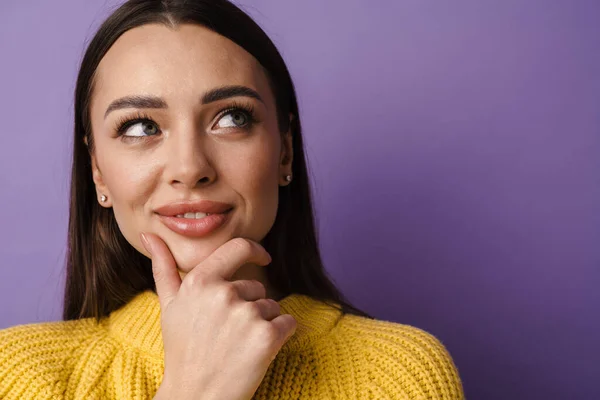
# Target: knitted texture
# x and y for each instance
(329, 357)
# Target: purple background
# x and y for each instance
(455, 149)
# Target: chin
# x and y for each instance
(188, 253)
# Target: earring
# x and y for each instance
(288, 178)
(103, 198)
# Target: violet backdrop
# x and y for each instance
(455, 149)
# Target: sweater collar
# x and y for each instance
(138, 322)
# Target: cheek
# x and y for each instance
(130, 183)
(255, 177)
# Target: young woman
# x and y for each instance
(193, 269)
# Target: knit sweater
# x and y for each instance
(329, 357)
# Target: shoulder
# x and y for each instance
(401, 360)
(36, 358)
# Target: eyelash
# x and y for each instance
(128, 121)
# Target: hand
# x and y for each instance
(219, 336)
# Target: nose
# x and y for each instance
(188, 160)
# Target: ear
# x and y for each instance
(101, 188)
(287, 154)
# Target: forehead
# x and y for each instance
(177, 64)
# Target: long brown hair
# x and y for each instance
(104, 271)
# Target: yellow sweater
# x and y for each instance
(328, 358)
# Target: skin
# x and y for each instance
(197, 152)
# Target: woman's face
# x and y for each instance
(185, 142)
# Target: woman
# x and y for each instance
(193, 268)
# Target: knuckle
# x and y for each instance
(259, 287)
(226, 294)
(269, 308)
(242, 245)
(157, 272)
(218, 259)
(251, 309)
(269, 333)
(274, 306)
(196, 280)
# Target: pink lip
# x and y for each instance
(195, 227)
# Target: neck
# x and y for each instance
(138, 322)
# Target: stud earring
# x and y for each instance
(103, 198)
(288, 178)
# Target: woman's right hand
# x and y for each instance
(219, 336)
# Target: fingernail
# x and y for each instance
(146, 243)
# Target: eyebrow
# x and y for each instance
(226, 92)
(211, 96)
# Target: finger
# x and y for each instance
(286, 325)
(164, 268)
(230, 256)
(269, 308)
(250, 290)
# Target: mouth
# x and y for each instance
(196, 226)
(194, 219)
(197, 215)
(189, 207)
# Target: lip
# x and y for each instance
(195, 227)
(219, 215)
(203, 206)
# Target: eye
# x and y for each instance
(233, 119)
(141, 128)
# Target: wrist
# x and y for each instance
(170, 391)
(165, 391)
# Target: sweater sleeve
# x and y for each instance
(401, 361)
(35, 358)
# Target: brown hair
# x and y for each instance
(104, 271)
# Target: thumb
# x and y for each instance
(164, 268)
